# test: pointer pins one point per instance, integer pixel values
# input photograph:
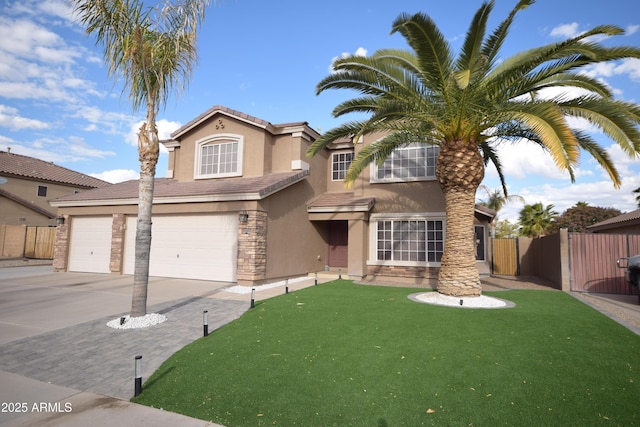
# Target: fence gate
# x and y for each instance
(504, 259)
(40, 242)
(592, 262)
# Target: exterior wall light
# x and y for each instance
(60, 220)
(244, 216)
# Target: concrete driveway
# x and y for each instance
(56, 350)
(35, 300)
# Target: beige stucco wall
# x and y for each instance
(256, 146)
(13, 213)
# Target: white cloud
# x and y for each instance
(600, 193)
(117, 175)
(632, 29)
(522, 159)
(566, 30)
(165, 128)
(524, 169)
(361, 51)
(629, 67)
(26, 39)
(9, 118)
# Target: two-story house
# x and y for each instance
(242, 203)
(28, 184)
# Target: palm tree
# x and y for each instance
(153, 50)
(496, 200)
(536, 219)
(470, 103)
(637, 191)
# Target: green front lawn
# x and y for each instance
(345, 354)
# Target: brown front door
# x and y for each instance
(338, 233)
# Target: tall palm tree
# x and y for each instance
(470, 103)
(637, 191)
(536, 219)
(153, 50)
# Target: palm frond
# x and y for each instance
(468, 60)
(546, 120)
(615, 118)
(432, 49)
(494, 42)
(600, 155)
(490, 155)
(346, 130)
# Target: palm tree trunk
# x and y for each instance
(459, 170)
(458, 269)
(148, 150)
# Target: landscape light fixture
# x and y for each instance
(205, 322)
(138, 378)
(253, 300)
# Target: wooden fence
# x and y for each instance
(592, 262)
(505, 259)
(581, 262)
(40, 242)
(18, 241)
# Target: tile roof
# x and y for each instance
(17, 165)
(488, 212)
(169, 190)
(331, 202)
(628, 218)
(233, 113)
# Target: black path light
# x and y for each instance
(138, 377)
(253, 300)
(286, 286)
(205, 322)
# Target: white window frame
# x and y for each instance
(399, 173)
(218, 139)
(341, 172)
(373, 238)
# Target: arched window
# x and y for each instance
(219, 156)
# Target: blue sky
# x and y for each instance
(265, 58)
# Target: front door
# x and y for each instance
(338, 237)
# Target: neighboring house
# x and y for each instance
(28, 184)
(244, 204)
(627, 223)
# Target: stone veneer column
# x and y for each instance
(252, 248)
(61, 249)
(117, 242)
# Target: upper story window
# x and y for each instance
(340, 162)
(219, 156)
(415, 162)
(42, 191)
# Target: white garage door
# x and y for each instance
(200, 247)
(90, 244)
